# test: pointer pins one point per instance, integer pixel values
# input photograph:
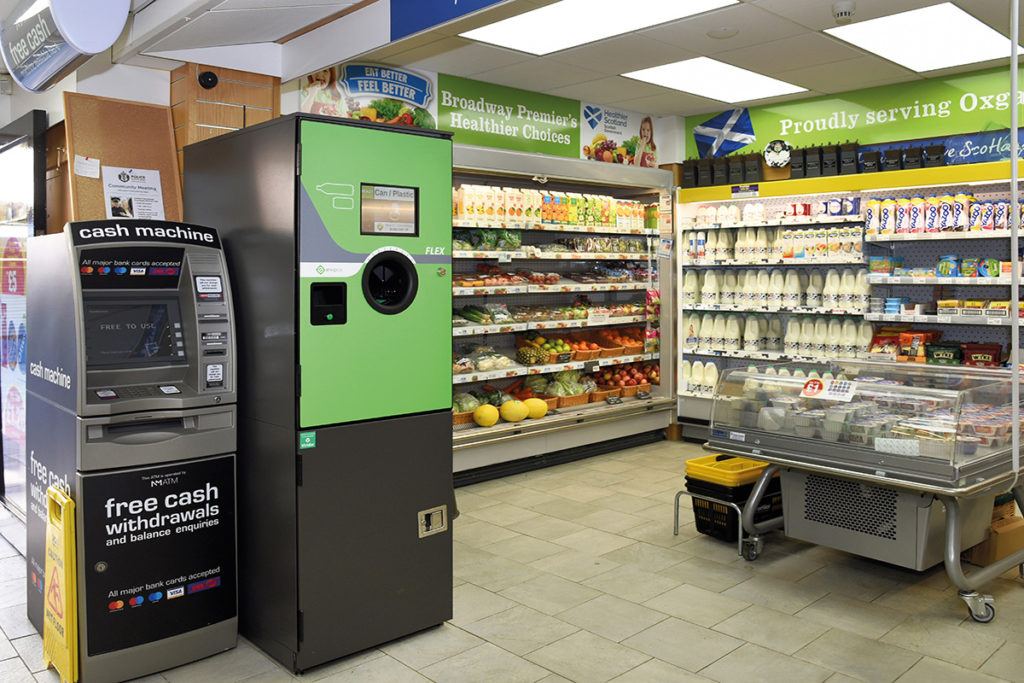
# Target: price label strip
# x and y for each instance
(829, 389)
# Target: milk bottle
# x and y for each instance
(722, 214)
(762, 243)
(697, 377)
(710, 379)
(709, 288)
(827, 376)
(762, 327)
(701, 249)
(691, 288)
(813, 374)
(784, 372)
(707, 332)
(770, 385)
(718, 333)
(744, 245)
(830, 293)
(727, 293)
(776, 288)
(812, 292)
(834, 339)
(691, 331)
(774, 333)
(751, 383)
(865, 333)
(849, 341)
(791, 343)
(807, 345)
(749, 299)
(848, 289)
(764, 284)
(752, 334)
(820, 337)
(791, 289)
(862, 290)
(799, 372)
(733, 333)
(730, 243)
(684, 375)
(711, 246)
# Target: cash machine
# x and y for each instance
(131, 411)
(338, 237)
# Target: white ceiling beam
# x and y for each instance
(351, 35)
(156, 21)
(260, 58)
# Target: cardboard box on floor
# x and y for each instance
(1006, 536)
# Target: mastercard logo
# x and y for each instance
(136, 601)
(116, 605)
(87, 270)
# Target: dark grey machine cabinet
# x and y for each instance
(344, 541)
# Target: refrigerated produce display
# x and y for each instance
(557, 289)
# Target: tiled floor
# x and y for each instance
(572, 573)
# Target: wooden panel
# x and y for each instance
(180, 91)
(179, 114)
(254, 116)
(181, 137)
(120, 133)
(181, 162)
(183, 71)
(230, 115)
(230, 92)
(237, 76)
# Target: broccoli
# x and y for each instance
(387, 109)
(631, 144)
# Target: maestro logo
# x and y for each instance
(592, 115)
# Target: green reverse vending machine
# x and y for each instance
(338, 237)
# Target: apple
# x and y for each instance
(631, 383)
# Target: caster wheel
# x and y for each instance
(750, 552)
(989, 615)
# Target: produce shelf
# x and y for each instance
(929, 236)
(943, 319)
(523, 370)
(799, 310)
(505, 256)
(553, 227)
(777, 222)
(775, 262)
(563, 286)
(466, 436)
(936, 280)
(470, 330)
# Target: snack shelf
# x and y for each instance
(799, 310)
(775, 262)
(554, 227)
(939, 319)
(821, 219)
(929, 236)
(936, 280)
(504, 256)
(470, 330)
(523, 370)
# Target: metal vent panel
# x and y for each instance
(848, 505)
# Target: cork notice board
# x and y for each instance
(119, 133)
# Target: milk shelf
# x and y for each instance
(989, 180)
(566, 428)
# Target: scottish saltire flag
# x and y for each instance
(724, 133)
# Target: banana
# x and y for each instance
(600, 137)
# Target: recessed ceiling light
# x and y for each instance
(723, 32)
(715, 80)
(570, 23)
(926, 39)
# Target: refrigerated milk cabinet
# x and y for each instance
(131, 411)
(338, 239)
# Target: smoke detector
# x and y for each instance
(843, 11)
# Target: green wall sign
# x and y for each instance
(964, 103)
(491, 115)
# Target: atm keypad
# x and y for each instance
(138, 392)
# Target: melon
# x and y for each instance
(514, 411)
(537, 407)
(486, 415)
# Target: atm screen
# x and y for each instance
(389, 210)
(132, 334)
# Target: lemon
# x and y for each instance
(514, 411)
(537, 407)
(486, 415)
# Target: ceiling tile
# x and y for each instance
(538, 74)
(818, 15)
(610, 89)
(457, 56)
(673, 103)
(615, 56)
(789, 53)
(754, 25)
(995, 13)
(238, 27)
(848, 74)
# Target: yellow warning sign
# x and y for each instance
(60, 627)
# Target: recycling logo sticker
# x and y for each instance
(320, 270)
(307, 440)
(592, 115)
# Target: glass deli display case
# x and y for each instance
(933, 428)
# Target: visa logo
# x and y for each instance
(137, 271)
(175, 592)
